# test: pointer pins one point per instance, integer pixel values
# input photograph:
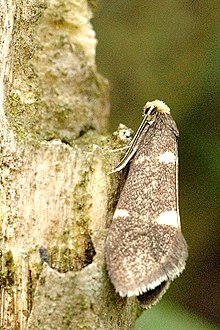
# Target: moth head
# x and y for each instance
(152, 108)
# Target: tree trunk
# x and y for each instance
(55, 193)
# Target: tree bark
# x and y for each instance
(55, 192)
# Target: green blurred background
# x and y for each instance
(170, 50)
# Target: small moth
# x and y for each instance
(145, 249)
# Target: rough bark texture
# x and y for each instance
(54, 189)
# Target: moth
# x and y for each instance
(145, 249)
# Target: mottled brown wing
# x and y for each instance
(145, 248)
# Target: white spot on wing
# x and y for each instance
(167, 157)
(169, 218)
(121, 213)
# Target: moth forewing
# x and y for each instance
(145, 249)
